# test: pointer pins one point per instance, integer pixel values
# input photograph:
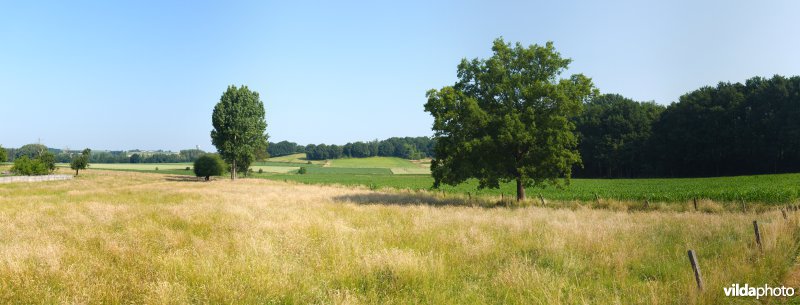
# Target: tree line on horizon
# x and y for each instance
(119, 156)
(729, 129)
(402, 147)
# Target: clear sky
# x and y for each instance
(146, 74)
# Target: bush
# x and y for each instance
(209, 165)
(260, 170)
(302, 170)
(29, 167)
(188, 168)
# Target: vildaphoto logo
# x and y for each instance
(737, 290)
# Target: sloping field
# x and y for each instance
(373, 162)
(126, 237)
(295, 158)
(410, 171)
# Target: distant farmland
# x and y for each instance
(396, 173)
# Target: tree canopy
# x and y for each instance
(30, 150)
(81, 161)
(239, 127)
(614, 133)
(507, 118)
(3, 154)
(209, 165)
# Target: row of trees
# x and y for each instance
(406, 147)
(284, 148)
(66, 156)
(730, 129)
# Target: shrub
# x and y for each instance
(188, 168)
(260, 170)
(302, 170)
(156, 167)
(209, 165)
(29, 167)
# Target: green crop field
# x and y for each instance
(771, 189)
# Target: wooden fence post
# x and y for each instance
(541, 198)
(696, 268)
(695, 203)
(758, 235)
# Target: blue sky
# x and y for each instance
(146, 74)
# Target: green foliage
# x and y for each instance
(3, 154)
(32, 151)
(29, 167)
(614, 133)
(239, 127)
(284, 148)
(209, 165)
(732, 129)
(508, 118)
(302, 170)
(81, 161)
(49, 160)
(406, 147)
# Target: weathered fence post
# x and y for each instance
(744, 208)
(541, 198)
(695, 203)
(758, 235)
(696, 268)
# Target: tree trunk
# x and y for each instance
(233, 170)
(520, 189)
(76, 172)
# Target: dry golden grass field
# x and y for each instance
(126, 237)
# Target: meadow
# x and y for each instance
(130, 237)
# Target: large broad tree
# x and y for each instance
(508, 119)
(239, 127)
